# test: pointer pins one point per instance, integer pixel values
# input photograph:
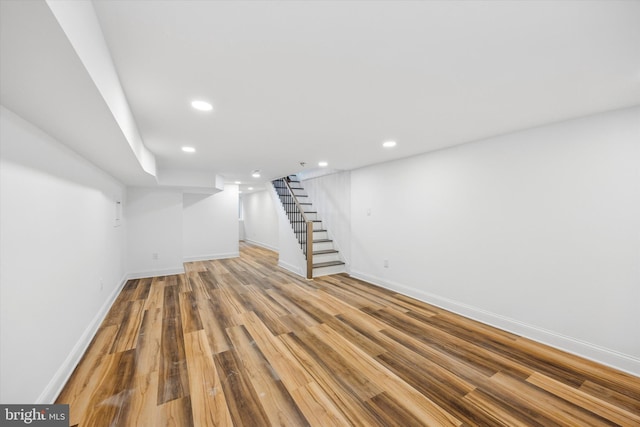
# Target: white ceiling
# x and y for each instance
(331, 80)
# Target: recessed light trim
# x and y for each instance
(201, 105)
(323, 164)
(389, 144)
(188, 149)
(255, 173)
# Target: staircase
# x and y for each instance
(322, 256)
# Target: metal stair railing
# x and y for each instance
(302, 226)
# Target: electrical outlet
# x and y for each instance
(101, 284)
(154, 255)
(386, 263)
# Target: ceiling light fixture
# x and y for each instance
(201, 105)
(237, 182)
(188, 149)
(389, 144)
(256, 173)
(250, 188)
(323, 164)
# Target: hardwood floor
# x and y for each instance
(241, 342)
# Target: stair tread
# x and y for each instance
(326, 251)
(327, 264)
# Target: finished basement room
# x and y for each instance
(320, 213)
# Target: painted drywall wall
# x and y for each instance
(166, 227)
(210, 225)
(154, 231)
(536, 231)
(260, 219)
(62, 259)
(331, 198)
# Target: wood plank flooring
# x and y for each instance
(241, 342)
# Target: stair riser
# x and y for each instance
(322, 246)
(326, 258)
(320, 235)
(324, 271)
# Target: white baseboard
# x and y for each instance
(211, 257)
(292, 268)
(155, 273)
(263, 245)
(571, 345)
(62, 375)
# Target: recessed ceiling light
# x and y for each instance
(255, 174)
(389, 144)
(323, 164)
(237, 182)
(188, 149)
(201, 105)
(250, 188)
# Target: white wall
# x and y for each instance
(62, 259)
(331, 197)
(537, 232)
(154, 226)
(178, 228)
(260, 219)
(210, 225)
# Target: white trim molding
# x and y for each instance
(262, 245)
(155, 273)
(571, 345)
(211, 257)
(62, 375)
(292, 268)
